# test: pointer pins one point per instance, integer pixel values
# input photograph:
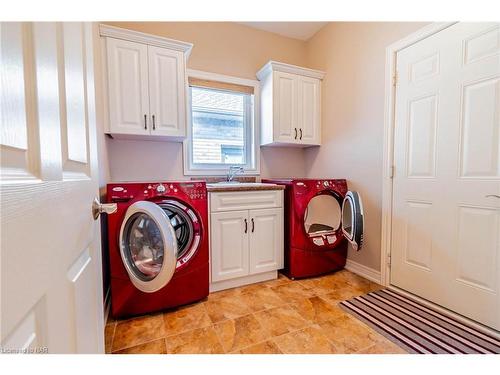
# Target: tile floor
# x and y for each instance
(278, 316)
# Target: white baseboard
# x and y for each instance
(364, 271)
(107, 305)
(251, 279)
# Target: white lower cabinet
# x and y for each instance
(229, 240)
(246, 246)
(266, 240)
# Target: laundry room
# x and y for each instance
(230, 186)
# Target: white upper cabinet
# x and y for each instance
(167, 91)
(309, 110)
(285, 113)
(290, 105)
(145, 83)
(128, 87)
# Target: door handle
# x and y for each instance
(145, 121)
(246, 226)
(300, 133)
(253, 225)
(154, 125)
(99, 208)
(492, 196)
(295, 133)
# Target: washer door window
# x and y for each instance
(352, 219)
(323, 215)
(148, 246)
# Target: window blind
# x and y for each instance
(197, 82)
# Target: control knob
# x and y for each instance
(160, 188)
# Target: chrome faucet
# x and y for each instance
(233, 170)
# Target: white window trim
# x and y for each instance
(189, 169)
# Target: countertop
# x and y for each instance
(243, 187)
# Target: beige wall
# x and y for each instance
(353, 57)
(219, 47)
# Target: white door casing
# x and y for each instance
(229, 244)
(445, 242)
(51, 291)
(167, 91)
(128, 87)
(266, 240)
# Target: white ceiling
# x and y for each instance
(296, 30)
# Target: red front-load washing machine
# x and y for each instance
(321, 217)
(158, 245)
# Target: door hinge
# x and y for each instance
(389, 260)
(391, 171)
(395, 78)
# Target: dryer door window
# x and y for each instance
(322, 216)
(352, 219)
(148, 246)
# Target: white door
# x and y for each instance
(285, 111)
(229, 244)
(128, 87)
(51, 294)
(309, 113)
(446, 218)
(266, 240)
(167, 92)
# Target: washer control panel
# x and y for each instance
(161, 188)
(195, 190)
(128, 191)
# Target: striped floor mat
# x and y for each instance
(418, 328)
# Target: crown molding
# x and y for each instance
(143, 38)
(272, 66)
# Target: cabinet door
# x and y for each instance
(266, 240)
(167, 91)
(285, 111)
(309, 110)
(128, 87)
(229, 244)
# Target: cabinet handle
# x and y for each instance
(145, 121)
(295, 133)
(253, 225)
(246, 226)
(299, 130)
(154, 125)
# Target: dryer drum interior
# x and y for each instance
(323, 215)
(327, 213)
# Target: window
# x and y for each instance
(222, 130)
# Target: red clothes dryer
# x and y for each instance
(321, 217)
(158, 246)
